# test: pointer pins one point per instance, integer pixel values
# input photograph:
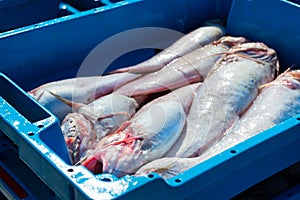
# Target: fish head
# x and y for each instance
(119, 156)
(78, 134)
(258, 52)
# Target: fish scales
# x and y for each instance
(277, 102)
(228, 90)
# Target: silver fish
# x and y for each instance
(81, 90)
(85, 128)
(277, 102)
(147, 136)
(190, 68)
(228, 90)
(193, 40)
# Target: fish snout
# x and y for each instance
(78, 133)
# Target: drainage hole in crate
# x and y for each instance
(298, 118)
(150, 175)
(105, 179)
(70, 170)
(30, 133)
(40, 125)
(233, 151)
(178, 180)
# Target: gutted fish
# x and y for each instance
(90, 123)
(81, 90)
(284, 93)
(278, 101)
(195, 39)
(226, 93)
(147, 136)
(190, 68)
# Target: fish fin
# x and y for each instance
(120, 70)
(72, 104)
(123, 126)
(114, 114)
(261, 87)
(34, 92)
(128, 70)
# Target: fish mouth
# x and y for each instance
(77, 131)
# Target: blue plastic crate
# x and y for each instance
(54, 49)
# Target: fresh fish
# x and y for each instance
(190, 68)
(85, 128)
(193, 40)
(106, 113)
(147, 136)
(277, 102)
(81, 90)
(228, 90)
(284, 93)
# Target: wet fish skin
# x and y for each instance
(84, 128)
(284, 92)
(193, 40)
(190, 68)
(277, 102)
(228, 90)
(147, 136)
(80, 89)
(109, 112)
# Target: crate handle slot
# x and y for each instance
(22, 118)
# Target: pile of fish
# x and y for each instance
(204, 94)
